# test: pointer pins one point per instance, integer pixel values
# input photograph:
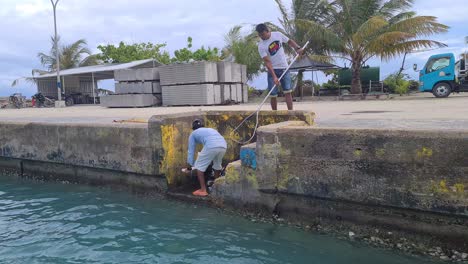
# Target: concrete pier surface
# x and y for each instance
(421, 111)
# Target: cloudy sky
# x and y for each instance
(26, 27)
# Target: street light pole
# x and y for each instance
(57, 53)
(466, 53)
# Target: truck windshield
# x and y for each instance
(437, 64)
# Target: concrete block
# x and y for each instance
(217, 94)
(225, 93)
(244, 74)
(189, 73)
(130, 100)
(234, 92)
(236, 73)
(147, 74)
(125, 75)
(134, 88)
(245, 93)
(224, 71)
(157, 87)
(60, 104)
(248, 155)
(193, 94)
(239, 92)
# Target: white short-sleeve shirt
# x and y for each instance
(273, 47)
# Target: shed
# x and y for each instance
(81, 82)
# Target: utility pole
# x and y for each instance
(466, 53)
(57, 55)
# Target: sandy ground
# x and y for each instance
(421, 111)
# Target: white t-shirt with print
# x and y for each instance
(273, 47)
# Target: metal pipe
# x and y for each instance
(57, 53)
(94, 88)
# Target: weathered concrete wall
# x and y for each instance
(417, 170)
(97, 155)
(169, 136)
(402, 181)
(118, 147)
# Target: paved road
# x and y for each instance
(415, 112)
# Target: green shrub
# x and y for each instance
(398, 83)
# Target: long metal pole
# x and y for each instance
(94, 88)
(57, 53)
(466, 52)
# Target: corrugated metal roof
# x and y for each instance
(99, 68)
(307, 63)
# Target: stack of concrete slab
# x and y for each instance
(135, 88)
(233, 80)
(203, 83)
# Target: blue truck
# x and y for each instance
(443, 75)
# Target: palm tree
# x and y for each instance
(358, 30)
(290, 25)
(242, 49)
(71, 56)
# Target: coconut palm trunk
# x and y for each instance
(356, 85)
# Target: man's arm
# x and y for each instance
(270, 69)
(191, 150)
(296, 47)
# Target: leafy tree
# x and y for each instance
(201, 54)
(358, 30)
(243, 49)
(131, 52)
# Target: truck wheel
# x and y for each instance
(69, 101)
(442, 90)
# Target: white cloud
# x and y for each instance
(447, 11)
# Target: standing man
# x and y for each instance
(214, 148)
(272, 51)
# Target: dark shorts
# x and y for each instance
(285, 83)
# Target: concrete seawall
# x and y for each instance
(412, 181)
(151, 155)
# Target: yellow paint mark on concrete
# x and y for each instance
(232, 175)
(358, 153)
(440, 187)
(425, 153)
(459, 188)
(172, 159)
(380, 152)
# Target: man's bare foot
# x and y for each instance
(200, 193)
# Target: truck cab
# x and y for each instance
(442, 75)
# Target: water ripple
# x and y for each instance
(51, 223)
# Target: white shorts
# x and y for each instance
(206, 156)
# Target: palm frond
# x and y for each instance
(369, 29)
(283, 10)
(420, 26)
(90, 60)
(381, 43)
(399, 48)
(401, 16)
(320, 35)
(391, 7)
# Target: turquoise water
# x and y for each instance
(54, 223)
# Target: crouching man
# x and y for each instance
(214, 148)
